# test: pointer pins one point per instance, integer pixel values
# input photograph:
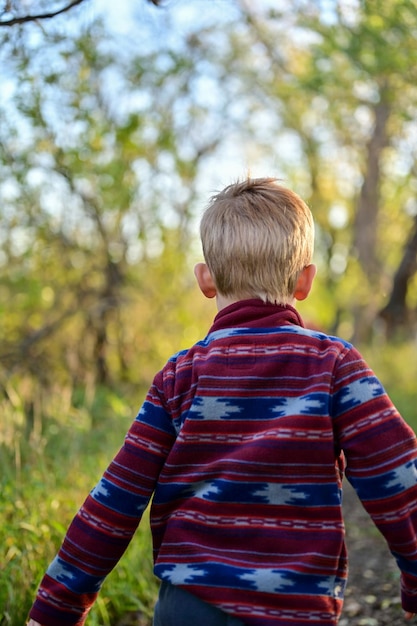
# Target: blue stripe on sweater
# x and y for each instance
(387, 484)
(214, 408)
(118, 499)
(227, 491)
(73, 578)
(260, 579)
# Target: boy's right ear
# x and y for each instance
(205, 280)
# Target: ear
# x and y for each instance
(205, 280)
(305, 282)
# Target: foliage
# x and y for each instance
(102, 162)
(339, 90)
(396, 367)
(46, 471)
(87, 208)
(108, 151)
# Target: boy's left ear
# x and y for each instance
(305, 282)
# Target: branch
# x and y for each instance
(46, 16)
(40, 16)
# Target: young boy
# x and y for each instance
(241, 441)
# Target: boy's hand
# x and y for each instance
(407, 615)
(32, 622)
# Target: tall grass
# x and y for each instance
(47, 466)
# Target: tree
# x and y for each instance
(93, 195)
(340, 84)
(102, 154)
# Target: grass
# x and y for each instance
(53, 451)
(396, 367)
(45, 474)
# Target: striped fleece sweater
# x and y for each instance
(242, 442)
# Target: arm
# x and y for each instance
(381, 454)
(106, 522)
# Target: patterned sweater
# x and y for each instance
(242, 442)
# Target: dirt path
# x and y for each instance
(372, 595)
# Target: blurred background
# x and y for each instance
(118, 121)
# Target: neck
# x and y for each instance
(223, 301)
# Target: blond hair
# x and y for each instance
(257, 236)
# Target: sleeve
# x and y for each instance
(103, 527)
(381, 462)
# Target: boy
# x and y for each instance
(241, 441)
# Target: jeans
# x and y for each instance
(177, 607)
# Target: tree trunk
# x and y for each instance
(366, 218)
(396, 313)
(365, 225)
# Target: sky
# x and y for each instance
(124, 16)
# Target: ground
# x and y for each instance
(373, 595)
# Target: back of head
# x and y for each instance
(257, 236)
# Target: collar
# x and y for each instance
(257, 314)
